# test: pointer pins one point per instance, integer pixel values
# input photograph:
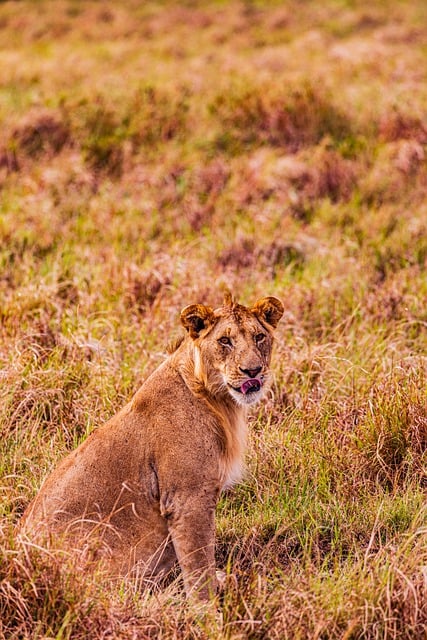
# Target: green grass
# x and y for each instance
(151, 153)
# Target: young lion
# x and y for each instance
(144, 486)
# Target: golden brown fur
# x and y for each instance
(141, 491)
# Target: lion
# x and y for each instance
(145, 485)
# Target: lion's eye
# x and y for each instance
(225, 341)
(260, 337)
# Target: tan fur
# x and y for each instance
(140, 493)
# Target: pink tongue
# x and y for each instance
(250, 385)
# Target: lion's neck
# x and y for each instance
(230, 423)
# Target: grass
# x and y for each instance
(152, 153)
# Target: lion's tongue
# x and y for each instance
(250, 385)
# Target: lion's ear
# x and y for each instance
(269, 310)
(195, 318)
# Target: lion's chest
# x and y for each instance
(233, 474)
(233, 458)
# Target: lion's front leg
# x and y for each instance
(191, 524)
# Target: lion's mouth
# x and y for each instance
(249, 386)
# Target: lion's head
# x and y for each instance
(232, 346)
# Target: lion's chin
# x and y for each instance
(245, 399)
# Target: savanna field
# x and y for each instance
(153, 154)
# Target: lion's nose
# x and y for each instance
(252, 373)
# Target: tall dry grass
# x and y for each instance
(150, 154)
